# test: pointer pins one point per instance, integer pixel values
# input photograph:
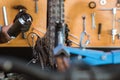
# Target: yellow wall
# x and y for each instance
(74, 10)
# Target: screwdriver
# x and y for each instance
(36, 6)
(99, 30)
(5, 16)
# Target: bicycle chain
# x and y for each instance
(53, 15)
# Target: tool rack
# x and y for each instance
(74, 10)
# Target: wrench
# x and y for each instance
(93, 21)
(114, 33)
(83, 34)
(114, 30)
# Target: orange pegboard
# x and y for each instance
(74, 10)
(39, 19)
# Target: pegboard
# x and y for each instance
(39, 19)
(74, 10)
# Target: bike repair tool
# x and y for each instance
(113, 31)
(36, 6)
(83, 34)
(93, 20)
(92, 5)
(21, 23)
(99, 30)
(118, 3)
(5, 15)
(103, 2)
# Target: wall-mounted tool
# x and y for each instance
(92, 5)
(22, 22)
(5, 15)
(36, 6)
(113, 31)
(83, 34)
(99, 30)
(93, 21)
(118, 3)
(103, 2)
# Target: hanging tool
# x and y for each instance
(113, 31)
(99, 30)
(5, 15)
(103, 2)
(36, 6)
(83, 34)
(118, 3)
(93, 21)
(21, 22)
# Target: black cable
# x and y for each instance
(28, 37)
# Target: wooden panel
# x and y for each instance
(74, 10)
(39, 19)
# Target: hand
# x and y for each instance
(4, 37)
(62, 63)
